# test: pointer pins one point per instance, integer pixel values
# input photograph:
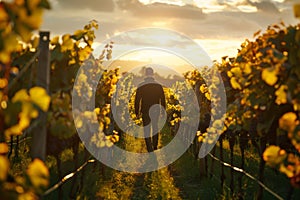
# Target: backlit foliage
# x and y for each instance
(21, 105)
(18, 19)
(266, 75)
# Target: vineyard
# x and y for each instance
(256, 156)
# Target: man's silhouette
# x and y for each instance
(149, 93)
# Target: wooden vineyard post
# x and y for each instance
(39, 135)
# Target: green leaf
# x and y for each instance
(263, 128)
(45, 4)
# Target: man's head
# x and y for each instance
(149, 71)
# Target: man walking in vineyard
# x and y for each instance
(148, 94)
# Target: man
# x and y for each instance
(149, 93)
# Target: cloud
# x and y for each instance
(265, 6)
(219, 25)
(220, 33)
(224, 24)
(160, 10)
(95, 5)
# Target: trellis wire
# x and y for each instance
(23, 70)
(67, 177)
(247, 174)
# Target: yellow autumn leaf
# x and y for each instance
(3, 83)
(97, 111)
(67, 43)
(115, 138)
(269, 75)
(229, 74)
(288, 121)
(5, 57)
(3, 17)
(24, 122)
(4, 167)
(101, 143)
(66, 37)
(234, 83)
(236, 71)
(54, 40)
(200, 138)
(31, 21)
(78, 122)
(107, 120)
(207, 95)
(3, 148)
(296, 105)
(19, 2)
(79, 33)
(84, 53)
(82, 78)
(35, 42)
(14, 130)
(133, 116)
(29, 195)
(288, 172)
(273, 155)
(218, 124)
(247, 69)
(24, 31)
(33, 4)
(108, 142)
(3, 13)
(10, 43)
(94, 24)
(89, 114)
(281, 96)
(40, 97)
(72, 61)
(38, 173)
(21, 95)
(28, 112)
(19, 48)
(22, 14)
(114, 80)
(203, 88)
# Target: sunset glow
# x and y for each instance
(219, 27)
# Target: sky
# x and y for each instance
(218, 26)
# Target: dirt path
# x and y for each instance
(153, 185)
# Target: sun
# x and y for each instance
(160, 24)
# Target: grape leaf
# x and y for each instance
(38, 174)
(40, 97)
(269, 75)
(273, 155)
(4, 167)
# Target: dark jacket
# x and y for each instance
(148, 94)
